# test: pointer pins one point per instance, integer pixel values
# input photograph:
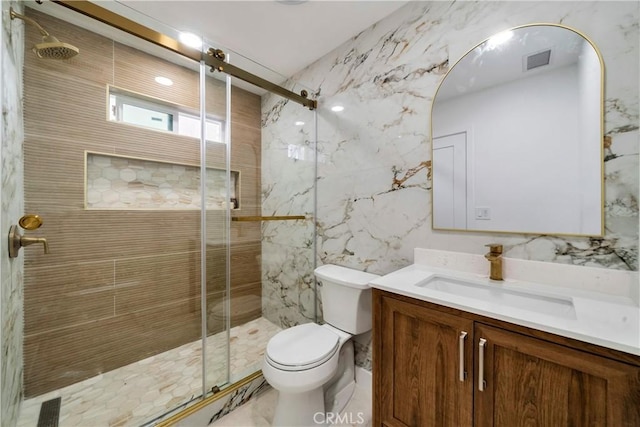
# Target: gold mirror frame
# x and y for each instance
(602, 137)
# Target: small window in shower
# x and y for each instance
(146, 117)
(135, 110)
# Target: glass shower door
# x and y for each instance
(113, 314)
(272, 229)
(220, 195)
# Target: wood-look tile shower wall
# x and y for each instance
(122, 285)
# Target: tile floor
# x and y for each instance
(259, 411)
(141, 391)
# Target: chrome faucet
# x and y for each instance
(495, 258)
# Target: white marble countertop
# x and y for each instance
(610, 321)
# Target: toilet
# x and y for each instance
(312, 366)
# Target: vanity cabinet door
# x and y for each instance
(530, 382)
(418, 380)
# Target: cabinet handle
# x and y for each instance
(463, 337)
(481, 382)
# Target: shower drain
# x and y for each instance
(49, 413)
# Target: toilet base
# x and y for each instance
(338, 391)
(300, 409)
(340, 399)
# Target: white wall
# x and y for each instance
(524, 153)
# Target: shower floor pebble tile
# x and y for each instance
(136, 393)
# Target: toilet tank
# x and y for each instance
(346, 297)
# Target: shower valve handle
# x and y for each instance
(17, 241)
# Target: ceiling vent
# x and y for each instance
(538, 60)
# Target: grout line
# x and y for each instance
(107, 260)
(114, 288)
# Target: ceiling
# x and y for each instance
(283, 37)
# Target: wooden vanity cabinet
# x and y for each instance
(416, 370)
(526, 381)
(531, 382)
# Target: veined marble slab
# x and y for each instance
(374, 201)
(12, 200)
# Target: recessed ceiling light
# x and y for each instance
(337, 108)
(165, 81)
(191, 40)
(298, 123)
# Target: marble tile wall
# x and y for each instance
(12, 205)
(373, 191)
(126, 183)
(288, 180)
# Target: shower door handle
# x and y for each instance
(267, 218)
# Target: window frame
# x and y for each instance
(122, 97)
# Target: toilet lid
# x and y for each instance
(302, 347)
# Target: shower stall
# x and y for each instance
(179, 216)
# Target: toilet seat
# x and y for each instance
(302, 347)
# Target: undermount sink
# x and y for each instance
(496, 294)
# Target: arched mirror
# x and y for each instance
(517, 136)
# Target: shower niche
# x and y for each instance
(119, 182)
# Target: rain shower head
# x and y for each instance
(51, 47)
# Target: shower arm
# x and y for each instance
(28, 20)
